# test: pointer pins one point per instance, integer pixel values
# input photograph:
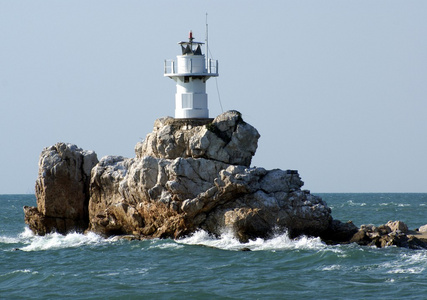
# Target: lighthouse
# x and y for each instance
(190, 71)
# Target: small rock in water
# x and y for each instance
(245, 249)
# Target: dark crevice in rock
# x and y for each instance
(221, 134)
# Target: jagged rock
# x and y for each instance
(227, 138)
(400, 239)
(397, 226)
(187, 174)
(62, 190)
(392, 239)
(391, 234)
(170, 198)
(339, 232)
(416, 243)
(241, 203)
(360, 238)
(105, 199)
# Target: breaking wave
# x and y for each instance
(227, 241)
(53, 241)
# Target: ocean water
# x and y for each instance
(79, 266)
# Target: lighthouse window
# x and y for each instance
(186, 79)
(186, 50)
(198, 51)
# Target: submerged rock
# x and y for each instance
(187, 175)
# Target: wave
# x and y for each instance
(227, 241)
(58, 241)
(156, 244)
(395, 204)
(51, 241)
(412, 262)
(352, 203)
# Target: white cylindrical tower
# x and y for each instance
(190, 73)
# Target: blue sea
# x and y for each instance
(79, 266)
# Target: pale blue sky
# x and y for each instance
(337, 89)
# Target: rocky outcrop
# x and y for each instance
(62, 190)
(190, 174)
(390, 234)
(394, 233)
(187, 175)
(227, 139)
(170, 198)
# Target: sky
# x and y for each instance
(337, 89)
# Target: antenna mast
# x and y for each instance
(206, 41)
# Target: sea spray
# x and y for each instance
(228, 241)
(55, 241)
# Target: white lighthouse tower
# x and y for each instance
(190, 72)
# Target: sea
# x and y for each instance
(77, 266)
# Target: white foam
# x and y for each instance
(395, 204)
(415, 270)
(331, 268)
(57, 241)
(168, 245)
(9, 240)
(20, 238)
(26, 234)
(23, 271)
(419, 257)
(410, 263)
(351, 203)
(227, 241)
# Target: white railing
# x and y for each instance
(170, 67)
(212, 66)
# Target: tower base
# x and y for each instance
(191, 113)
